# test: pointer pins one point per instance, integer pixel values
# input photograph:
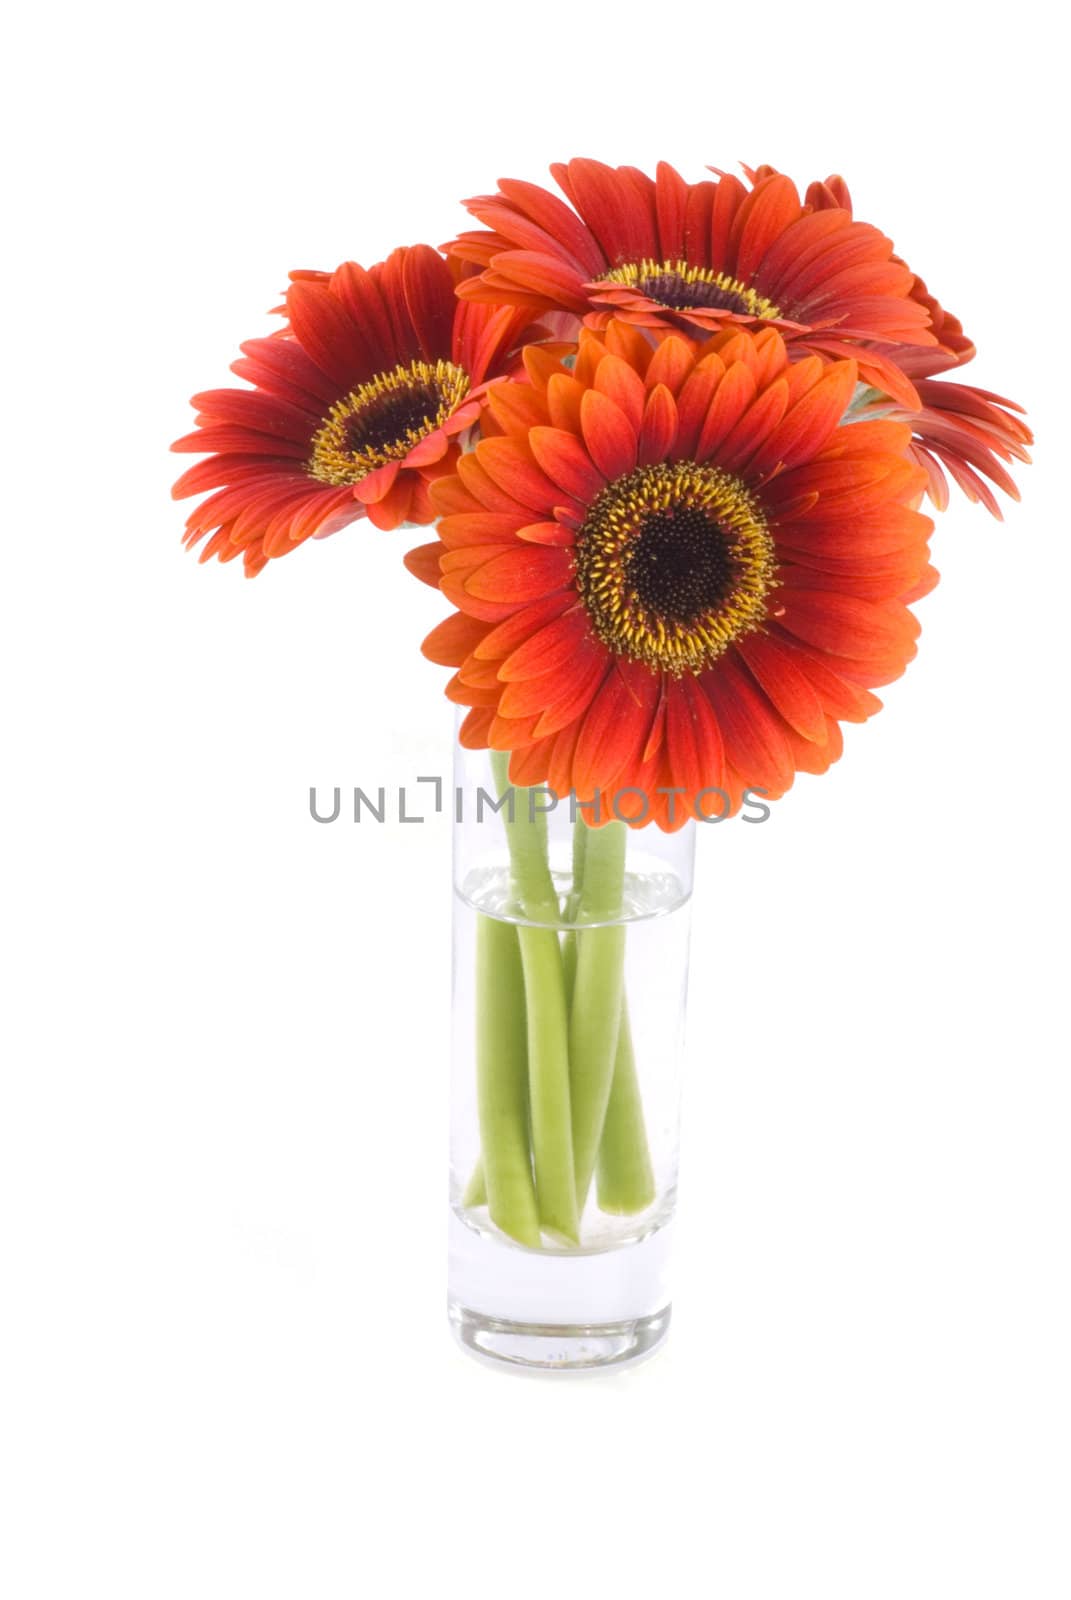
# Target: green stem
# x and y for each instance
(545, 1009)
(526, 835)
(569, 965)
(475, 1191)
(502, 1081)
(580, 851)
(598, 992)
(624, 1177)
(580, 835)
(548, 1081)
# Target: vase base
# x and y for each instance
(549, 1347)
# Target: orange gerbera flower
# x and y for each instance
(674, 569)
(665, 253)
(967, 430)
(354, 409)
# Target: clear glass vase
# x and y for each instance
(570, 974)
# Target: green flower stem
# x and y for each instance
(475, 1191)
(569, 966)
(580, 851)
(598, 992)
(580, 835)
(526, 835)
(546, 1012)
(502, 1082)
(548, 1081)
(624, 1177)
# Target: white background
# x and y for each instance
(226, 1367)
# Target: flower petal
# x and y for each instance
(609, 436)
(521, 574)
(563, 458)
(659, 431)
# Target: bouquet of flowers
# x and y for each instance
(673, 440)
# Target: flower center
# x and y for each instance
(673, 562)
(383, 419)
(679, 287)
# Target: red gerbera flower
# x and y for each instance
(967, 430)
(662, 252)
(674, 569)
(355, 408)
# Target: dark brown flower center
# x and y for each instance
(680, 287)
(673, 562)
(682, 564)
(383, 419)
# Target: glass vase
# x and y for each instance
(570, 973)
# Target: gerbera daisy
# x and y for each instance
(665, 253)
(355, 407)
(964, 429)
(674, 569)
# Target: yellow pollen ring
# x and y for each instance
(383, 419)
(690, 536)
(695, 288)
